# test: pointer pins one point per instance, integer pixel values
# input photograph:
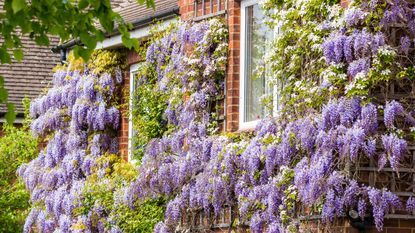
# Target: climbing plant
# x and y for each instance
(325, 58)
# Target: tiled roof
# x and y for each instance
(30, 76)
(131, 11)
(116, 3)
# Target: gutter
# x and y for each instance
(19, 118)
(144, 21)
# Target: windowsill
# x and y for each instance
(248, 126)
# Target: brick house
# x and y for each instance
(241, 108)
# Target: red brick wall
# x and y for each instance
(132, 57)
(232, 73)
(345, 3)
(232, 77)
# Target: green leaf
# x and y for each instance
(127, 42)
(18, 54)
(83, 4)
(82, 52)
(4, 56)
(88, 40)
(3, 95)
(18, 5)
(42, 39)
(11, 114)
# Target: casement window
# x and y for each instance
(255, 34)
(133, 85)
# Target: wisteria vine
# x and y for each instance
(79, 120)
(288, 163)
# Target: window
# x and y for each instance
(254, 36)
(133, 71)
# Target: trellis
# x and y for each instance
(402, 183)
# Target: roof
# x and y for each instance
(139, 15)
(30, 76)
(131, 11)
(116, 3)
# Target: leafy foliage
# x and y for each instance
(17, 146)
(148, 121)
(105, 195)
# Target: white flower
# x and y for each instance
(361, 76)
(386, 72)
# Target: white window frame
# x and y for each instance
(133, 70)
(242, 124)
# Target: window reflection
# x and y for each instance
(257, 35)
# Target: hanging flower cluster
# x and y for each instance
(366, 44)
(78, 119)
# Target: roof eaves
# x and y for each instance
(141, 22)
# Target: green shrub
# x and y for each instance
(17, 146)
(105, 193)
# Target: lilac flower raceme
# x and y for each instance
(354, 17)
(392, 110)
(405, 44)
(410, 204)
(358, 66)
(395, 149)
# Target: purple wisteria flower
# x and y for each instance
(395, 149)
(354, 17)
(68, 115)
(358, 66)
(405, 44)
(392, 110)
(410, 204)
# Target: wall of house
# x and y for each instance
(132, 58)
(233, 18)
(187, 12)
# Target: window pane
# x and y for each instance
(257, 34)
